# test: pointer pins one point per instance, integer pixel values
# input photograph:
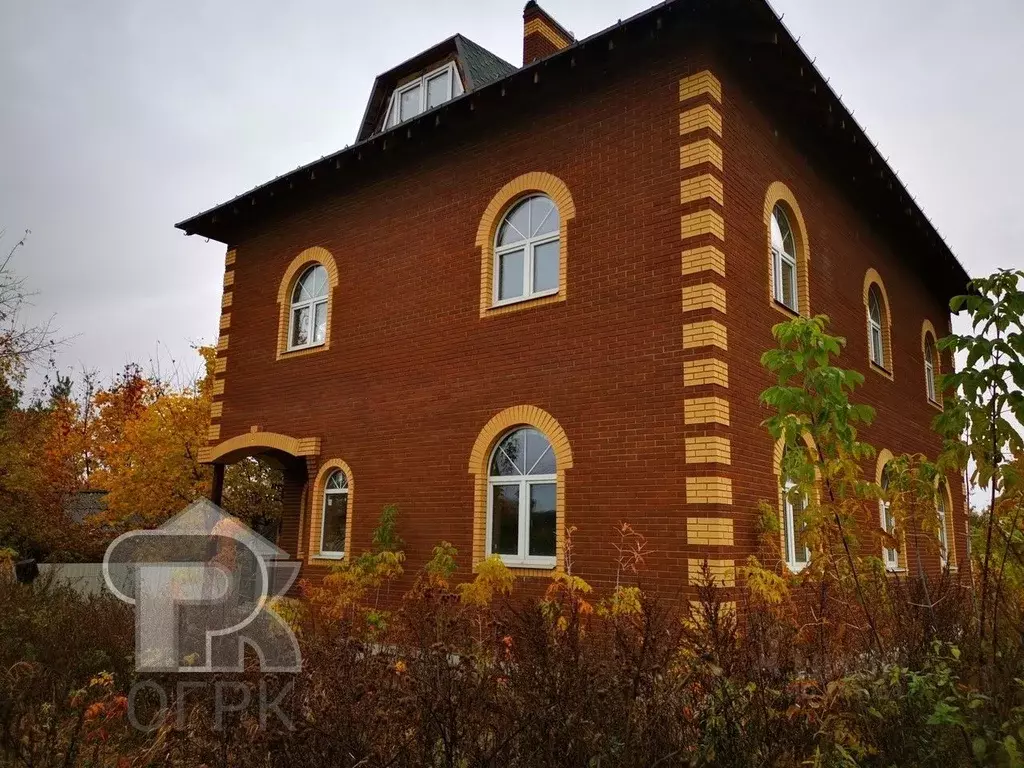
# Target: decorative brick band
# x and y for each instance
(708, 490)
(710, 531)
(708, 333)
(253, 443)
(539, 27)
(704, 259)
(703, 296)
(723, 572)
(708, 450)
(698, 373)
(706, 410)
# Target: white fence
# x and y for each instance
(86, 578)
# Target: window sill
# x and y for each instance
(880, 370)
(326, 558)
(302, 351)
(784, 309)
(895, 570)
(519, 304)
(936, 405)
(519, 565)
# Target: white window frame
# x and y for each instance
(523, 559)
(940, 508)
(877, 351)
(789, 521)
(779, 256)
(527, 246)
(891, 557)
(312, 304)
(393, 116)
(929, 371)
(323, 515)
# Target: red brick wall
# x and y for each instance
(843, 246)
(413, 372)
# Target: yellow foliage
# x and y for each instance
(492, 578)
(765, 586)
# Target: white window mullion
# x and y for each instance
(524, 519)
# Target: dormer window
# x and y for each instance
(425, 92)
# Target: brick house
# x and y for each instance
(534, 298)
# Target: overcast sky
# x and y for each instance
(121, 117)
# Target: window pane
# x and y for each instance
(509, 456)
(335, 514)
(800, 529)
(545, 266)
(505, 519)
(516, 225)
(320, 323)
(543, 216)
(788, 284)
(437, 90)
(300, 327)
(510, 275)
(540, 460)
(542, 520)
(410, 103)
(876, 346)
(337, 481)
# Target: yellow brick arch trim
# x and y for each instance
(777, 454)
(884, 457)
(255, 443)
(927, 329)
(316, 515)
(781, 195)
(298, 265)
(479, 458)
(872, 278)
(535, 181)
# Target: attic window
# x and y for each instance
(426, 92)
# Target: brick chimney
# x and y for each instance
(542, 35)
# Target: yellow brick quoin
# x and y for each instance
(220, 365)
(225, 302)
(703, 223)
(704, 259)
(708, 450)
(229, 258)
(708, 490)
(698, 84)
(723, 572)
(708, 333)
(218, 387)
(705, 371)
(698, 118)
(704, 187)
(700, 152)
(709, 531)
(229, 278)
(703, 296)
(706, 410)
(225, 321)
(217, 409)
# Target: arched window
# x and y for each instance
(784, 262)
(308, 326)
(931, 366)
(794, 503)
(521, 500)
(526, 250)
(891, 557)
(335, 518)
(876, 318)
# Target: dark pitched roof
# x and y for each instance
(754, 43)
(479, 67)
